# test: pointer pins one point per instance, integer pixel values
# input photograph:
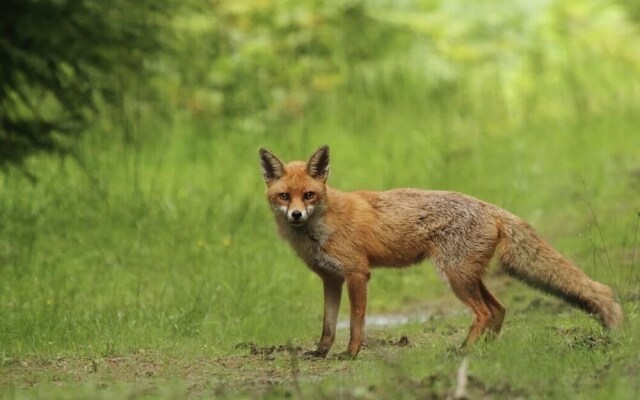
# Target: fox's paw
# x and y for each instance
(314, 354)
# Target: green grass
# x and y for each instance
(170, 252)
(139, 268)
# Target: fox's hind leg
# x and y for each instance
(468, 290)
(497, 310)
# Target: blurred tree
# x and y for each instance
(61, 59)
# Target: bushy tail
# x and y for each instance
(526, 256)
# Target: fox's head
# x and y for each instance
(296, 191)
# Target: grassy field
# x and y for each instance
(158, 271)
(149, 266)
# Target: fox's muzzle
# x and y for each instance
(297, 217)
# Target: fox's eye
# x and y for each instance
(309, 195)
(284, 196)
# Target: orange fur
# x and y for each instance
(340, 236)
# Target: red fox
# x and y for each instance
(340, 236)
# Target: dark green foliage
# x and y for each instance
(63, 62)
(61, 59)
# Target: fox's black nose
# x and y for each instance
(296, 215)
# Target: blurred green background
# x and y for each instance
(139, 220)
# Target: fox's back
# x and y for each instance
(402, 226)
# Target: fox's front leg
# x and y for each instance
(332, 296)
(357, 288)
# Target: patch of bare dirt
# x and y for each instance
(402, 341)
(268, 351)
(262, 369)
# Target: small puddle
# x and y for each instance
(382, 320)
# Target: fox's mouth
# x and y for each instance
(297, 224)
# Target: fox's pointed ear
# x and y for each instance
(318, 164)
(272, 167)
